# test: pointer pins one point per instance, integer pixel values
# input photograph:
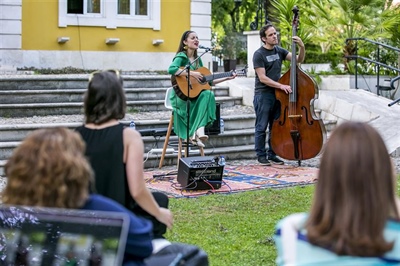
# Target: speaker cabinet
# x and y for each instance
(215, 128)
(200, 173)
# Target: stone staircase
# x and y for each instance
(44, 95)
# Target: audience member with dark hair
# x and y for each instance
(116, 155)
(116, 152)
(354, 218)
(49, 169)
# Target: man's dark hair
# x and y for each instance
(264, 29)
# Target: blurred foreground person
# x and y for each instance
(49, 169)
(116, 152)
(354, 218)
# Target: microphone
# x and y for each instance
(205, 48)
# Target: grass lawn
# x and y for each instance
(236, 229)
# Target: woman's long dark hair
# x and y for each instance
(105, 98)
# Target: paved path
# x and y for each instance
(365, 106)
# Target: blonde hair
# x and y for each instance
(48, 169)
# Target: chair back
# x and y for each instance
(167, 101)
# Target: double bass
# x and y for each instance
(297, 134)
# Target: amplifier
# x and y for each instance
(199, 173)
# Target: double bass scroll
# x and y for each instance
(297, 134)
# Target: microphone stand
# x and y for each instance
(189, 86)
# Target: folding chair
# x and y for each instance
(167, 104)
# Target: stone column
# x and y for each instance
(253, 43)
(10, 34)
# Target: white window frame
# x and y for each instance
(109, 17)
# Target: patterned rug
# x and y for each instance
(235, 179)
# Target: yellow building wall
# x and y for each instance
(40, 30)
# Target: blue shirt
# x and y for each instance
(138, 245)
(296, 250)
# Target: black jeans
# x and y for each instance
(267, 109)
(159, 229)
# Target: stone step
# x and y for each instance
(78, 81)
(244, 152)
(76, 95)
(148, 128)
(228, 138)
(70, 108)
(152, 160)
(239, 133)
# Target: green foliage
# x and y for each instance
(316, 57)
(229, 20)
(50, 71)
(227, 15)
(242, 57)
(237, 229)
(369, 51)
(323, 23)
(231, 45)
(132, 110)
(313, 73)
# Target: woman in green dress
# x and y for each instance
(202, 106)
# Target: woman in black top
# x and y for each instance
(116, 152)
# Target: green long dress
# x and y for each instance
(202, 108)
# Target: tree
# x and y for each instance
(229, 19)
(323, 23)
(328, 23)
(236, 14)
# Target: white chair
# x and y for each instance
(167, 104)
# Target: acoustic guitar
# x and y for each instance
(180, 83)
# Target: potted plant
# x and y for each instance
(216, 52)
(231, 46)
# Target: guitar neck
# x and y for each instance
(217, 76)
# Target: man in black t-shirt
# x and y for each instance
(267, 61)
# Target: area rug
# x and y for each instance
(235, 179)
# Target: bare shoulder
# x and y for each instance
(131, 135)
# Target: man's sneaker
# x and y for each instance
(263, 160)
(275, 160)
